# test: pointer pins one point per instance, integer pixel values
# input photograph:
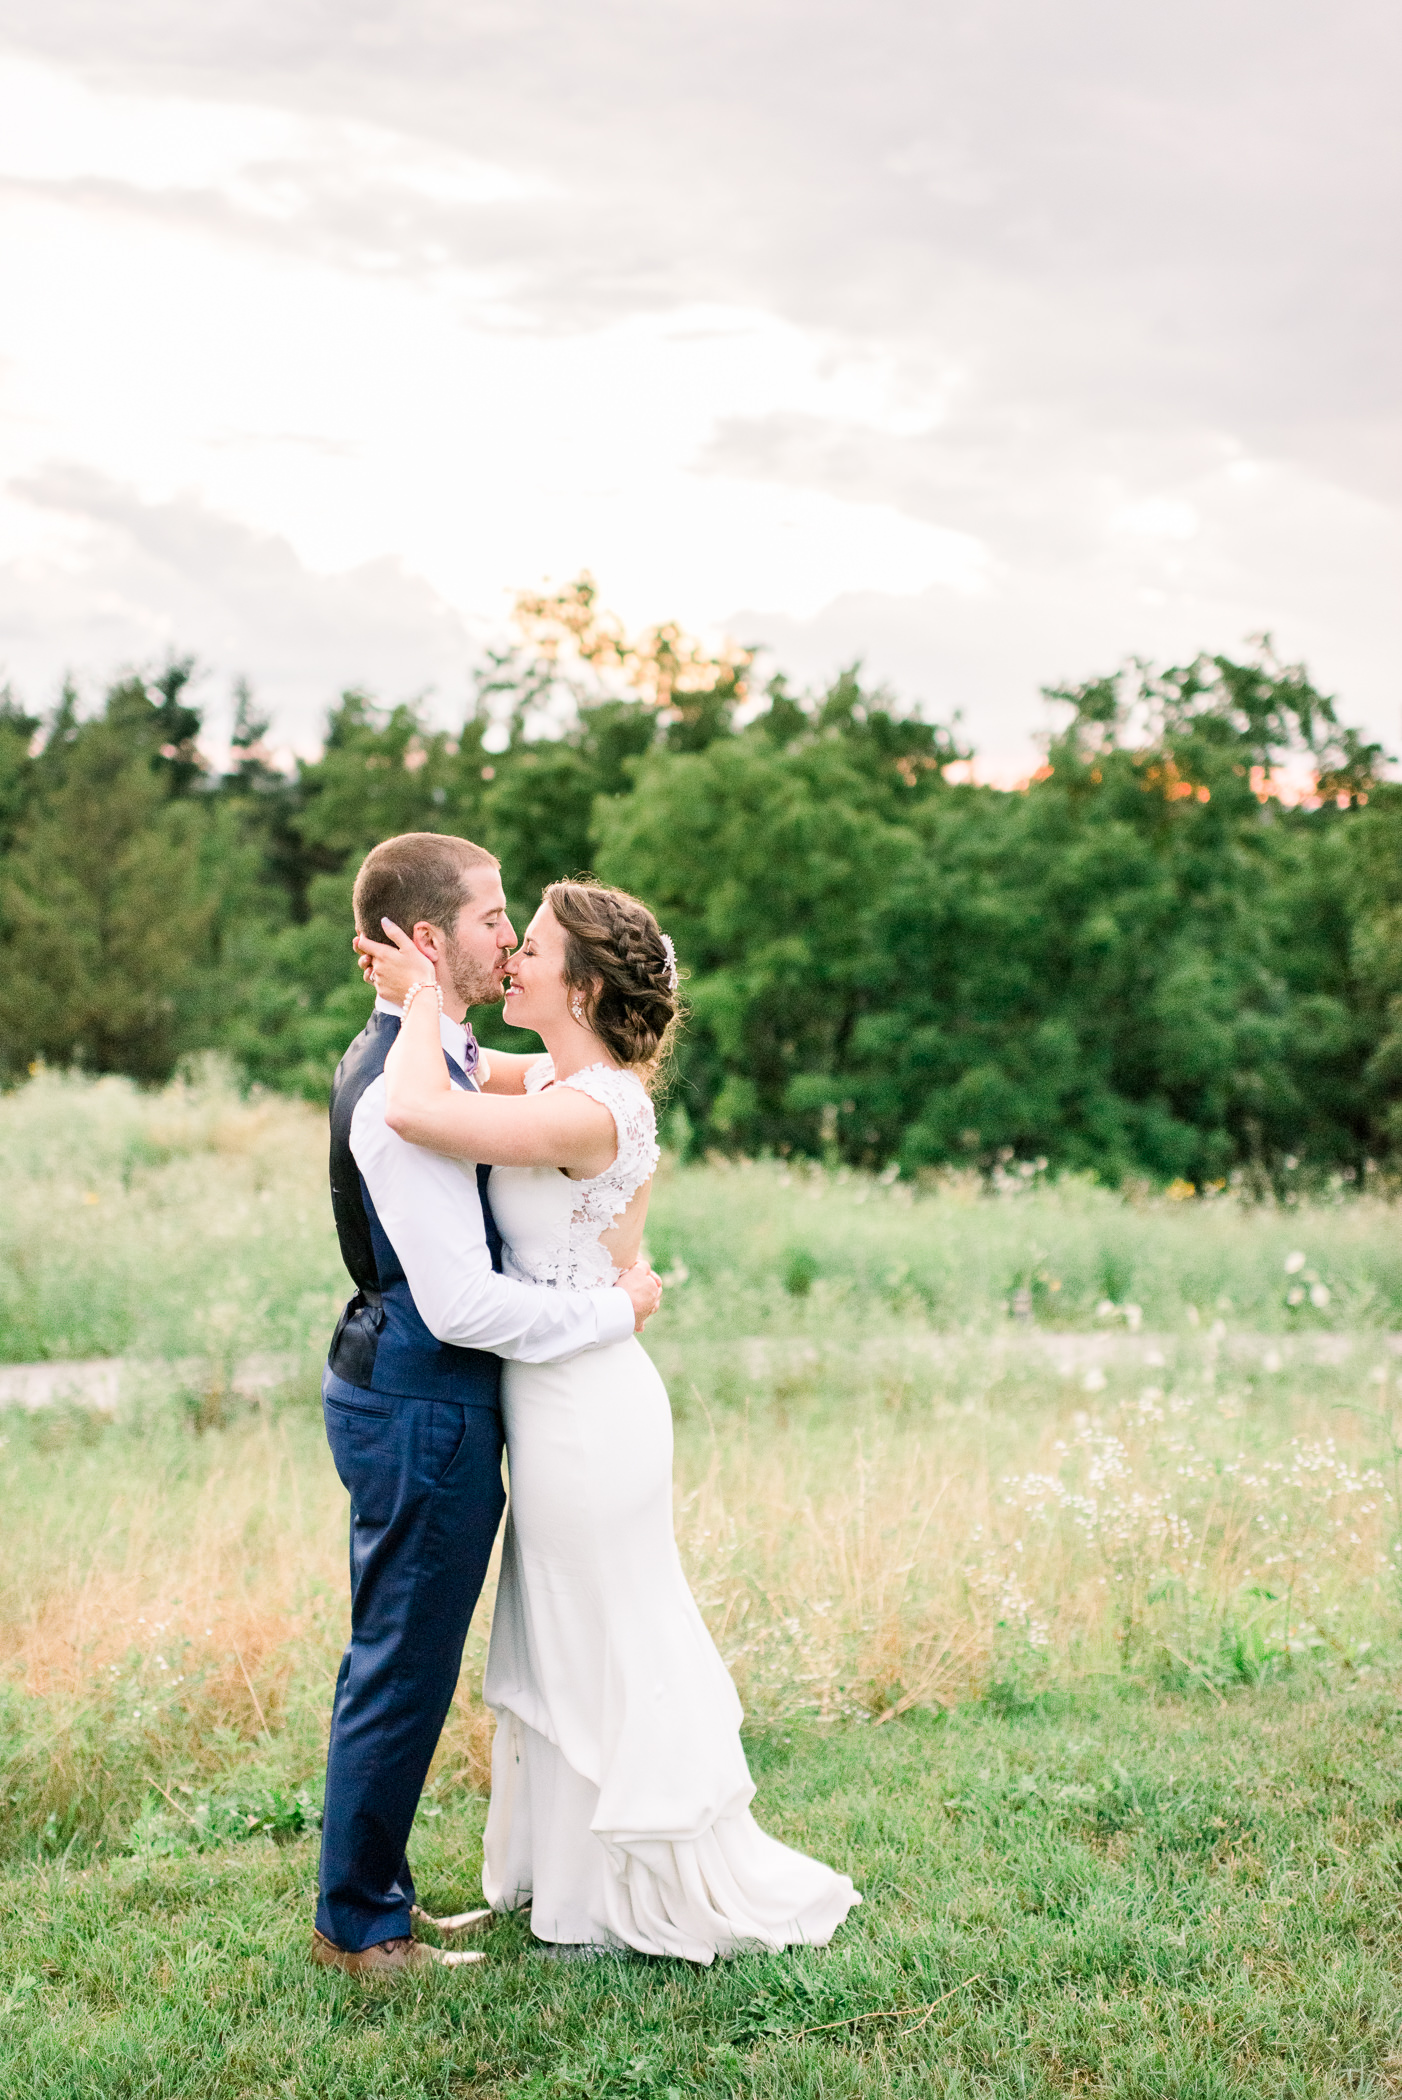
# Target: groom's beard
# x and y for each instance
(471, 982)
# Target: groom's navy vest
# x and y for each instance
(381, 1342)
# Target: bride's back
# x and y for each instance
(623, 1241)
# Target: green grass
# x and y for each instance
(161, 1225)
(1073, 1637)
(1129, 1898)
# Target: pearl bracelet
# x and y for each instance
(425, 984)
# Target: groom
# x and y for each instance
(410, 1394)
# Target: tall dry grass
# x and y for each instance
(168, 1605)
(172, 1610)
(1004, 1520)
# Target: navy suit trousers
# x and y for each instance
(424, 1478)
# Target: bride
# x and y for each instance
(620, 1792)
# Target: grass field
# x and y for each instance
(1052, 1538)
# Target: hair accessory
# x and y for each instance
(424, 984)
(672, 978)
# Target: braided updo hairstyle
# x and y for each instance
(615, 960)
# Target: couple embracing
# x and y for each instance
(490, 1210)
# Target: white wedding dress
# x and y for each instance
(620, 1793)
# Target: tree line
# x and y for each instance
(1176, 952)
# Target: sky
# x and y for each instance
(987, 343)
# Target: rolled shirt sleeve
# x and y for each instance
(430, 1211)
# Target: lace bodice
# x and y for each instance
(550, 1225)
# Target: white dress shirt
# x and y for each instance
(430, 1211)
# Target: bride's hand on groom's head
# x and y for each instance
(392, 965)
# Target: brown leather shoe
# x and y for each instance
(384, 1958)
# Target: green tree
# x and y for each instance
(1158, 958)
(1371, 848)
(769, 856)
(107, 900)
(1141, 963)
(18, 730)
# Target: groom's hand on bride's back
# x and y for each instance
(644, 1290)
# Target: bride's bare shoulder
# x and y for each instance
(505, 1072)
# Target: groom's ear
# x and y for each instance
(429, 940)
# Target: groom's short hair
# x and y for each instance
(419, 875)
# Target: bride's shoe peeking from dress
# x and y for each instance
(620, 1793)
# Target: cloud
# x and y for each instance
(1099, 258)
(1237, 549)
(124, 581)
(1172, 187)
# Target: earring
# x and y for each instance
(577, 1009)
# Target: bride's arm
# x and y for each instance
(559, 1127)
